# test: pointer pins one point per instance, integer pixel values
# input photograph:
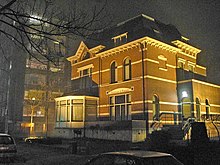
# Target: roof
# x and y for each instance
(139, 153)
(136, 27)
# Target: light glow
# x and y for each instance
(184, 94)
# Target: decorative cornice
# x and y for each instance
(136, 43)
(186, 48)
(96, 49)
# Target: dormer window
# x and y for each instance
(120, 39)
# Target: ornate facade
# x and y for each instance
(143, 75)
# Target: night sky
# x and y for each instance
(198, 20)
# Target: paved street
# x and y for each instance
(39, 154)
(34, 154)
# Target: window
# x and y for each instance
(114, 72)
(191, 67)
(77, 110)
(63, 112)
(207, 108)
(198, 111)
(127, 69)
(181, 63)
(162, 62)
(156, 107)
(120, 107)
(91, 110)
(86, 81)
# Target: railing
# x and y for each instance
(164, 118)
(212, 120)
(212, 130)
(187, 127)
(211, 117)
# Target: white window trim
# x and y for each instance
(85, 67)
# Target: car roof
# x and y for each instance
(4, 134)
(139, 153)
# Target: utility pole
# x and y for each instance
(8, 98)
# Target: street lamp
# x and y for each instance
(32, 115)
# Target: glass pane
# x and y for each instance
(63, 102)
(63, 113)
(112, 111)
(117, 112)
(128, 98)
(58, 114)
(123, 114)
(129, 111)
(127, 72)
(77, 101)
(77, 112)
(120, 99)
(112, 100)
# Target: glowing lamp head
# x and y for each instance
(184, 94)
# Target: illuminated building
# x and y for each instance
(44, 81)
(114, 68)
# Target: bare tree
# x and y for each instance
(38, 25)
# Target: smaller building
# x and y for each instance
(74, 112)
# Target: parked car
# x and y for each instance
(134, 157)
(7, 146)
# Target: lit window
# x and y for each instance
(114, 72)
(156, 107)
(127, 69)
(120, 107)
(77, 110)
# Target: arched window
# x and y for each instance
(127, 69)
(156, 107)
(114, 73)
(198, 109)
(207, 108)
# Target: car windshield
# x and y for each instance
(165, 160)
(6, 140)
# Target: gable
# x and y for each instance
(83, 52)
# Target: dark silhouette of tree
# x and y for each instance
(40, 27)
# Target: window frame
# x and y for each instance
(124, 108)
(127, 69)
(113, 72)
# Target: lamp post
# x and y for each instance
(145, 112)
(32, 115)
